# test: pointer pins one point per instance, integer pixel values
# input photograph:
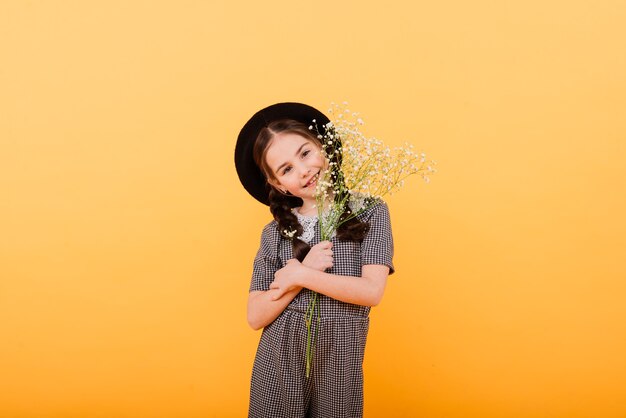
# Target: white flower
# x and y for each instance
(369, 170)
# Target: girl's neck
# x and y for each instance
(308, 210)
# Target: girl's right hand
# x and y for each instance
(320, 256)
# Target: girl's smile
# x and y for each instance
(313, 180)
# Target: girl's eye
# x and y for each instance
(286, 170)
(305, 153)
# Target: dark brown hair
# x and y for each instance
(281, 204)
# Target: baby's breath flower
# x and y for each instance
(369, 170)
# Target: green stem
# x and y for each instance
(310, 339)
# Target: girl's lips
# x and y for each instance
(312, 181)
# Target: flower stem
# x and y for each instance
(310, 336)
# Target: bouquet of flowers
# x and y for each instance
(361, 170)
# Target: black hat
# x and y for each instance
(249, 173)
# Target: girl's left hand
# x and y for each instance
(287, 278)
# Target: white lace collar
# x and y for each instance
(308, 225)
(357, 201)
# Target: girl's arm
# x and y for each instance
(366, 290)
(264, 307)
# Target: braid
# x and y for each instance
(280, 206)
(352, 230)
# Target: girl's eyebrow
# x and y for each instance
(297, 152)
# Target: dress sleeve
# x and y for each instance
(377, 246)
(266, 262)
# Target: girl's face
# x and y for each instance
(295, 163)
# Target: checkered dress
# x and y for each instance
(279, 388)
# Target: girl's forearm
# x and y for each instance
(366, 290)
(262, 309)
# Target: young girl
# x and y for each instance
(278, 159)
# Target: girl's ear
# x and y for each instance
(275, 184)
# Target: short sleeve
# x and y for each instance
(266, 262)
(377, 246)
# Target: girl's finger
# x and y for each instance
(325, 245)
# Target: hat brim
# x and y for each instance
(249, 173)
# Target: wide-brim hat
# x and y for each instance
(249, 173)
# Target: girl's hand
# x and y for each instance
(287, 278)
(320, 256)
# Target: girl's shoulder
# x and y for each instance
(270, 230)
(270, 238)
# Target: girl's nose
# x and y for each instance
(304, 171)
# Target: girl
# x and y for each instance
(279, 160)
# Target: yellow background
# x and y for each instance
(126, 240)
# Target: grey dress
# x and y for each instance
(279, 388)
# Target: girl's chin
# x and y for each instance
(308, 194)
